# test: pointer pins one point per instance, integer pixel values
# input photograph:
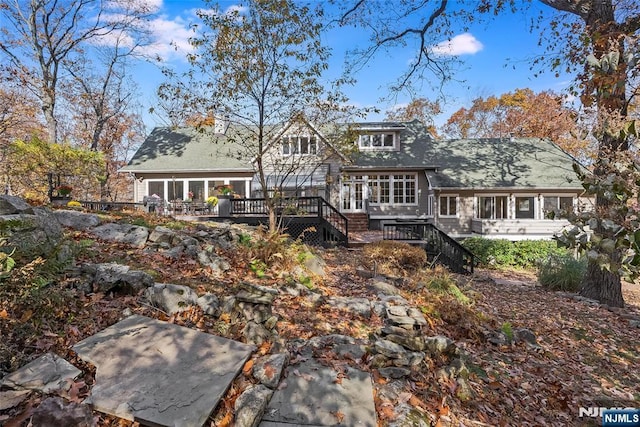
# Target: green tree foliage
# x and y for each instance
(610, 234)
(34, 163)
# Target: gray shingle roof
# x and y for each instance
(477, 163)
(460, 163)
(187, 150)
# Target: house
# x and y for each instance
(172, 162)
(511, 188)
(514, 188)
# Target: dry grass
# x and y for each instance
(393, 258)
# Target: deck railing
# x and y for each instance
(440, 247)
(331, 226)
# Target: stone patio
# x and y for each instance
(159, 373)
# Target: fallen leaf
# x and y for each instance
(264, 348)
(404, 397)
(386, 412)
(4, 314)
(443, 409)
(248, 367)
(227, 421)
(26, 316)
(19, 419)
(339, 416)
(379, 379)
(414, 401)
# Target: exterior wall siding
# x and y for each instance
(461, 224)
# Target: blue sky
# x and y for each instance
(495, 55)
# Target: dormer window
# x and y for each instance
(377, 141)
(299, 145)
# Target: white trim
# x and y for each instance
(535, 207)
(476, 201)
(457, 214)
(393, 147)
(185, 171)
(543, 196)
(298, 138)
(185, 185)
(431, 205)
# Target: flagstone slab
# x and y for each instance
(48, 373)
(314, 396)
(277, 424)
(159, 373)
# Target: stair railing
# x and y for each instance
(439, 246)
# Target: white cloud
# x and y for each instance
(461, 44)
(146, 6)
(170, 38)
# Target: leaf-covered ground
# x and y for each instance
(587, 355)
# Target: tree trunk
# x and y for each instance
(48, 110)
(273, 220)
(602, 285)
(611, 100)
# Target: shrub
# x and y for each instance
(394, 258)
(502, 253)
(74, 204)
(562, 272)
(442, 282)
(507, 330)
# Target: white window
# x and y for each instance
(557, 206)
(379, 189)
(430, 201)
(448, 206)
(492, 207)
(376, 141)
(157, 188)
(303, 145)
(404, 189)
(525, 207)
(392, 189)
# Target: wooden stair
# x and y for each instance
(358, 222)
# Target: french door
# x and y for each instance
(353, 194)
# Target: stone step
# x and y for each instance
(316, 395)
